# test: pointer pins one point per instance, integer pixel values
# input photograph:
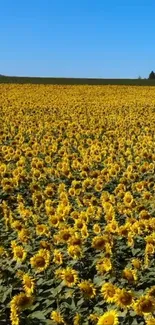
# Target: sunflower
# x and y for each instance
(46, 244)
(108, 208)
(112, 227)
(108, 250)
(24, 235)
(79, 224)
(48, 190)
(149, 249)
(71, 191)
(93, 318)
(98, 187)
(3, 168)
(75, 240)
(41, 260)
(53, 220)
(19, 254)
(146, 261)
(109, 318)
(74, 251)
(84, 232)
(65, 235)
(151, 292)
(136, 263)
(70, 276)
(2, 251)
(42, 230)
(96, 228)
(104, 265)
(17, 225)
(128, 199)
(108, 291)
(150, 321)
(57, 257)
(87, 289)
(28, 284)
(77, 319)
(99, 242)
(56, 317)
(124, 299)
(130, 275)
(21, 302)
(14, 317)
(144, 305)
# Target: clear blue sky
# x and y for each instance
(77, 38)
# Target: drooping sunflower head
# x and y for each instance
(99, 242)
(77, 319)
(14, 317)
(108, 291)
(17, 225)
(24, 235)
(88, 289)
(74, 251)
(21, 302)
(45, 244)
(130, 275)
(93, 318)
(19, 254)
(28, 284)
(104, 265)
(75, 240)
(57, 257)
(136, 263)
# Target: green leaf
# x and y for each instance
(49, 322)
(35, 306)
(37, 315)
(49, 302)
(49, 310)
(6, 294)
(132, 313)
(123, 313)
(40, 281)
(80, 302)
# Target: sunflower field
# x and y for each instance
(77, 205)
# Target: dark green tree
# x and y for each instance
(152, 75)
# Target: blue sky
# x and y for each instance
(80, 38)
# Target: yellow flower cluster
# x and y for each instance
(77, 188)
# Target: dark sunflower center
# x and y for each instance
(40, 262)
(23, 302)
(147, 307)
(66, 236)
(111, 292)
(69, 278)
(19, 254)
(126, 299)
(88, 290)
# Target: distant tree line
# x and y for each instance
(152, 75)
